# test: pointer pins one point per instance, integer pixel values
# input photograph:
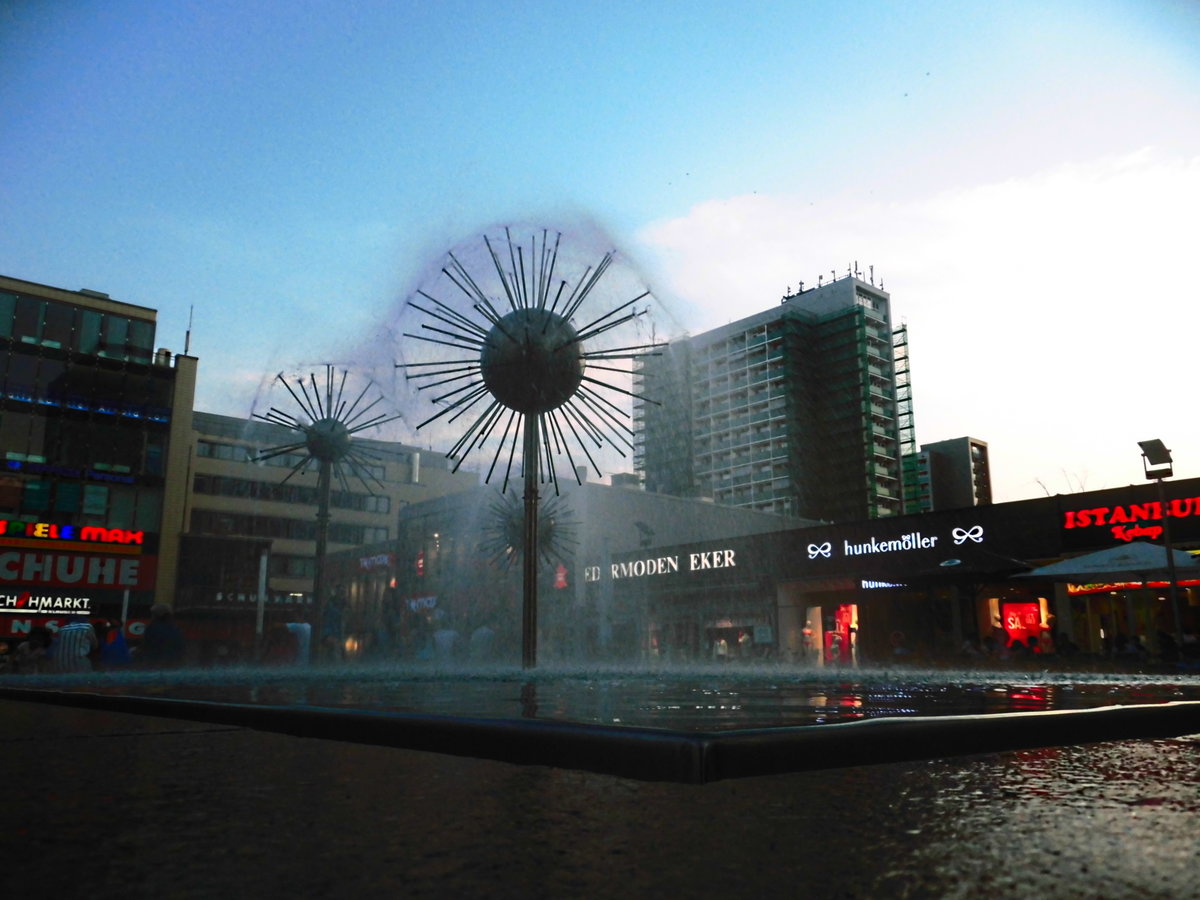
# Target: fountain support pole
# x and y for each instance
(324, 480)
(529, 562)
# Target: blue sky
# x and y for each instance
(1023, 177)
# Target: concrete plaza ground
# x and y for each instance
(103, 804)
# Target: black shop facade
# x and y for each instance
(933, 586)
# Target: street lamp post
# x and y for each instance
(1156, 463)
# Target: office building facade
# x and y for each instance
(796, 410)
(252, 524)
(947, 475)
(94, 429)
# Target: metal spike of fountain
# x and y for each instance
(520, 352)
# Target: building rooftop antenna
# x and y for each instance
(187, 337)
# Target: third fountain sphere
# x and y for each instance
(532, 361)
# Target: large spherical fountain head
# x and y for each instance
(532, 361)
(327, 440)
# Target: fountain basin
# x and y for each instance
(354, 707)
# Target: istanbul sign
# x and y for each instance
(1126, 521)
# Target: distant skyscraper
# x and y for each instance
(794, 410)
(947, 475)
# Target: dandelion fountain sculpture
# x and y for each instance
(522, 366)
(327, 421)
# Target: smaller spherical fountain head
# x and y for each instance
(532, 361)
(324, 427)
(327, 440)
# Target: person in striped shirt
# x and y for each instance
(71, 648)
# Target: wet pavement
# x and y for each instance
(104, 804)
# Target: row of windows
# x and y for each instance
(284, 565)
(223, 523)
(138, 509)
(104, 445)
(49, 323)
(218, 486)
(101, 389)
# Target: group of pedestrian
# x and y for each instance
(88, 646)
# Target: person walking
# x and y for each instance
(162, 643)
(72, 647)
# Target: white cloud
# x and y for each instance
(1050, 316)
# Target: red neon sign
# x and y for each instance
(1124, 521)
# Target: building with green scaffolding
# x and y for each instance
(799, 410)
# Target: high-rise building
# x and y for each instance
(947, 475)
(794, 410)
(94, 429)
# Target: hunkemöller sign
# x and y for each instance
(1124, 521)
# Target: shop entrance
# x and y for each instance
(841, 635)
(1021, 621)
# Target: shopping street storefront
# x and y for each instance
(932, 586)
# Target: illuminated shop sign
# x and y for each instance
(1109, 587)
(86, 533)
(28, 568)
(1125, 521)
(664, 565)
(378, 561)
(16, 627)
(914, 540)
(29, 604)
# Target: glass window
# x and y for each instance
(120, 514)
(8, 307)
(141, 340)
(87, 331)
(155, 454)
(148, 511)
(116, 333)
(10, 493)
(68, 497)
(95, 500)
(27, 323)
(37, 496)
(57, 322)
